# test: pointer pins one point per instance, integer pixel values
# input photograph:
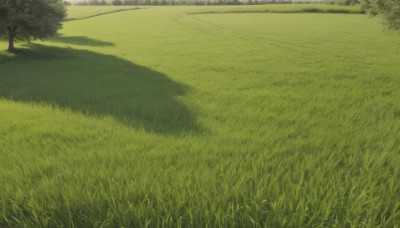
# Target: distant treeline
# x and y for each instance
(208, 2)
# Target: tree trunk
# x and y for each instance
(11, 36)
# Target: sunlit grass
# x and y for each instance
(160, 118)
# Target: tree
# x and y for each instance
(389, 9)
(347, 2)
(29, 19)
(117, 2)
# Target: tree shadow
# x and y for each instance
(96, 84)
(80, 40)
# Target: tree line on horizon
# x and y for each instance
(209, 2)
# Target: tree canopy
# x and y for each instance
(30, 19)
(389, 9)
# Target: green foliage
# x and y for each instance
(117, 2)
(192, 2)
(27, 19)
(388, 9)
(289, 8)
(211, 120)
(347, 2)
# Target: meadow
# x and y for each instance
(160, 117)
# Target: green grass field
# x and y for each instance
(158, 117)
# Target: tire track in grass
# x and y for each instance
(254, 37)
(277, 43)
(101, 14)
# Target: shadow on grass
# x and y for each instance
(80, 40)
(96, 84)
